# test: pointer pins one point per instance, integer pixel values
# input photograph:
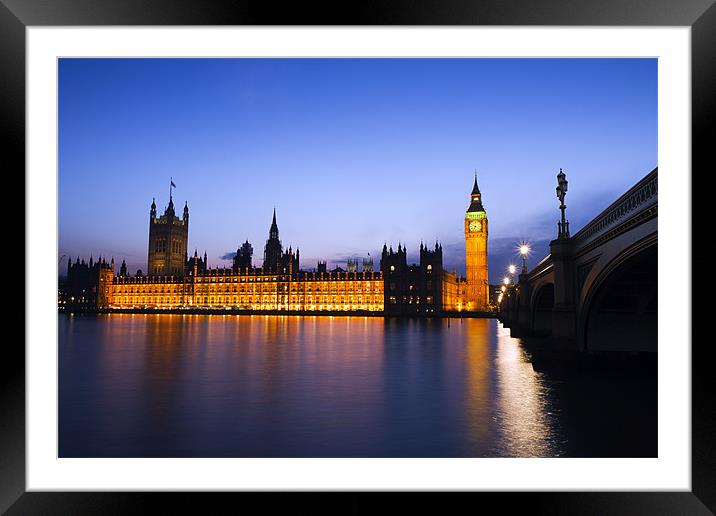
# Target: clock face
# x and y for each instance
(475, 225)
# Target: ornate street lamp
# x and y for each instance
(563, 227)
(524, 251)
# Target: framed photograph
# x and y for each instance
(401, 252)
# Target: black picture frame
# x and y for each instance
(700, 15)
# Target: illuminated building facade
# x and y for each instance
(454, 292)
(277, 285)
(174, 281)
(256, 290)
(478, 289)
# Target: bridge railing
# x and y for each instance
(642, 195)
(543, 264)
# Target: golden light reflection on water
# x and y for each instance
(225, 385)
(478, 358)
(507, 402)
(261, 366)
(523, 408)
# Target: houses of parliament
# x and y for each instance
(176, 281)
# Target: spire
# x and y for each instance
(273, 231)
(475, 188)
(475, 198)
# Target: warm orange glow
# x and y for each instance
(217, 289)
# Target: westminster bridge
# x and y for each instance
(597, 289)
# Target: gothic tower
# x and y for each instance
(168, 237)
(273, 249)
(478, 290)
(242, 260)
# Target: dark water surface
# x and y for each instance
(292, 386)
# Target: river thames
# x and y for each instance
(308, 386)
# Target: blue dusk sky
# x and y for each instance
(352, 153)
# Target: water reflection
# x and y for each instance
(524, 412)
(477, 336)
(288, 386)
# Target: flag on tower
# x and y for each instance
(172, 183)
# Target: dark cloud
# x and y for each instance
(228, 256)
(342, 257)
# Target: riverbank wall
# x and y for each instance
(231, 311)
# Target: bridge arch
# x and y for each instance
(542, 305)
(619, 309)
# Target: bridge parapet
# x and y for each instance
(544, 266)
(641, 196)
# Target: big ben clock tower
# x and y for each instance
(476, 252)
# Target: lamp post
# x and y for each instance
(562, 183)
(524, 251)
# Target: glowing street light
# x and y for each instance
(506, 281)
(524, 251)
(512, 269)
